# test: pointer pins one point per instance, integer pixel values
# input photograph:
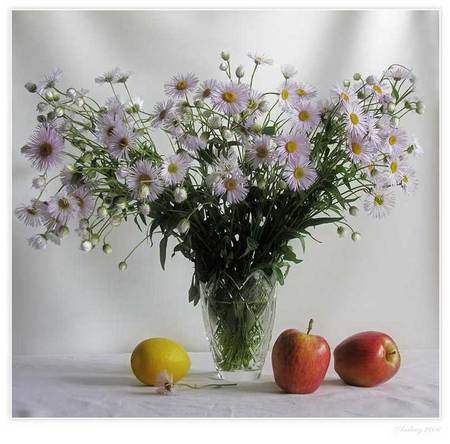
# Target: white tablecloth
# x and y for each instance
(99, 386)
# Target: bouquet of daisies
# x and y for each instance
(249, 171)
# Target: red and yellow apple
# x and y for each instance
(367, 359)
(300, 361)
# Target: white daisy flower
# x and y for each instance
(62, 206)
(49, 81)
(394, 171)
(260, 59)
(345, 95)
(398, 72)
(415, 148)
(356, 120)
(260, 151)
(396, 140)
(299, 174)
(305, 115)
(108, 77)
(233, 186)
(180, 84)
(379, 202)
(288, 71)
(359, 149)
(174, 168)
(409, 182)
(205, 90)
(38, 242)
(288, 94)
(135, 105)
(305, 91)
(162, 113)
(31, 215)
(144, 181)
(291, 146)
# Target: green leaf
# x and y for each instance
(194, 290)
(269, 130)
(320, 221)
(278, 274)
(163, 251)
(302, 241)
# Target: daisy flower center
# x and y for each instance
(345, 97)
(354, 118)
(392, 140)
(45, 149)
(162, 114)
(303, 115)
(63, 203)
(356, 148)
(31, 211)
(262, 151)
(291, 146)
(181, 85)
(299, 172)
(405, 180)
(394, 166)
(301, 92)
(110, 130)
(123, 142)
(206, 93)
(230, 184)
(80, 201)
(144, 180)
(284, 94)
(379, 200)
(377, 89)
(172, 168)
(229, 96)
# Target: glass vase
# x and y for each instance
(238, 318)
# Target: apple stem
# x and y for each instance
(309, 326)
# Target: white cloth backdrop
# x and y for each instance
(65, 301)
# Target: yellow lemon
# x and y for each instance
(152, 356)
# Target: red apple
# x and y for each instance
(300, 361)
(367, 359)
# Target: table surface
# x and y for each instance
(103, 386)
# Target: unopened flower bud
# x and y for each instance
(356, 236)
(263, 106)
(121, 203)
(361, 94)
(94, 239)
(41, 118)
(183, 226)
(107, 249)
(144, 208)
(123, 266)
(38, 182)
(353, 210)
(144, 191)
(49, 95)
(71, 92)
(357, 76)
(83, 224)
(227, 135)
(395, 121)
(225, 55)
(51, 115)
(223, 66)
(215, 122)
(116, 220)
(79, 102)
(346, 83)
(102, 212)
(86, 245)
(407, 104)
(341, 231)
(420, 107)
(391, 107)
(63, 231)
(179, 194)
(240, 72)
(370, 80)
(59, 112)
(42, 107)
(31, 87)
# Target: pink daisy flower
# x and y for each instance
(45, 147)
(175, 168)
(230, 98)
(260, 151)
(85, 201)
(121, 141)
(180, 84)
(291, 146)
(144, 180)
(205, 90)
(63, 207)
(305, 115)
(299, 174)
